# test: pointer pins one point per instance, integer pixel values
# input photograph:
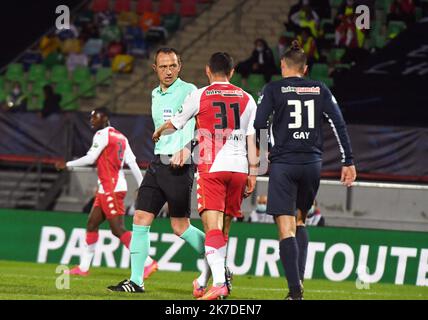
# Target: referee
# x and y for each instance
(298, 106)
(169, 177)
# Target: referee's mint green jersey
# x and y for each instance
(164, 106)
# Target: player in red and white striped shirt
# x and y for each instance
(224, 117)
(110, 150)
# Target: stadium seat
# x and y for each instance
(100, 5)
(255, 83)
(110, 33)
(419, 13)
(15, 72)
(52, 59)
(87, 89)
(144, 6)
(335, 55)
(126, 19)
(69, 102)
(59, 73)
(2, 95)
(114, 49)
(64, 87)
(148, 20)
(81, 74)
(166, 7)
(93, 46)
(35, 102)
(122, 63)
(276, 77)
(236, 79)
(83, 18)
(122, 5)
(188, 8)
(37, 86)
(335, 3)
(171, 22)
(71, 46)
(384, 5)
(36, 72)
(104, 76)
(395, 28)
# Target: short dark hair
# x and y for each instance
(103, 110)
(167, 50)
(221, 62)
(295, 56)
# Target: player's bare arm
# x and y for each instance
(253, 165)
(166, 128)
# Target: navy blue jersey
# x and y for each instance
(299, 106)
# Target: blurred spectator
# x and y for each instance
(89, 31)
(347, 8)
(314, 217)
(402, 10)
(348, 35)
(260, 215)
(53, 58)
(49, 43)
(105, 18)
(322, 8)
(76, 59)
(115, 48)
(93, 47)
(51, 102)
(71, 33)
(31, 56)
(98, 61)
(16, 100)
(306, 17)
(308, 44)
(110, 33)
(261, 62)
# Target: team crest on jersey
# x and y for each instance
(301, 90)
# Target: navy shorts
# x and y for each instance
(292, 186)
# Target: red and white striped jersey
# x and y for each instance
(224, 118)
(110, 149)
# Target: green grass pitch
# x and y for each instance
(19, 280)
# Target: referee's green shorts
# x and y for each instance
(162, 184)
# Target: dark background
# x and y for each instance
(22, 22)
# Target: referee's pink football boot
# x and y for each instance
(216, 293)
(198, 291)
(150, 269)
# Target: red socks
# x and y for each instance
(91, 237)
(126, 238)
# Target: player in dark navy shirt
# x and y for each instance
(298, 106)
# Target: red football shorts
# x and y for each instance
(221, 191)
(112, 204)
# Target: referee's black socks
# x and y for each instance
(302, 243)
(289, 253)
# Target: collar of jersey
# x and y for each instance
(220, 82)
(170, 88)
